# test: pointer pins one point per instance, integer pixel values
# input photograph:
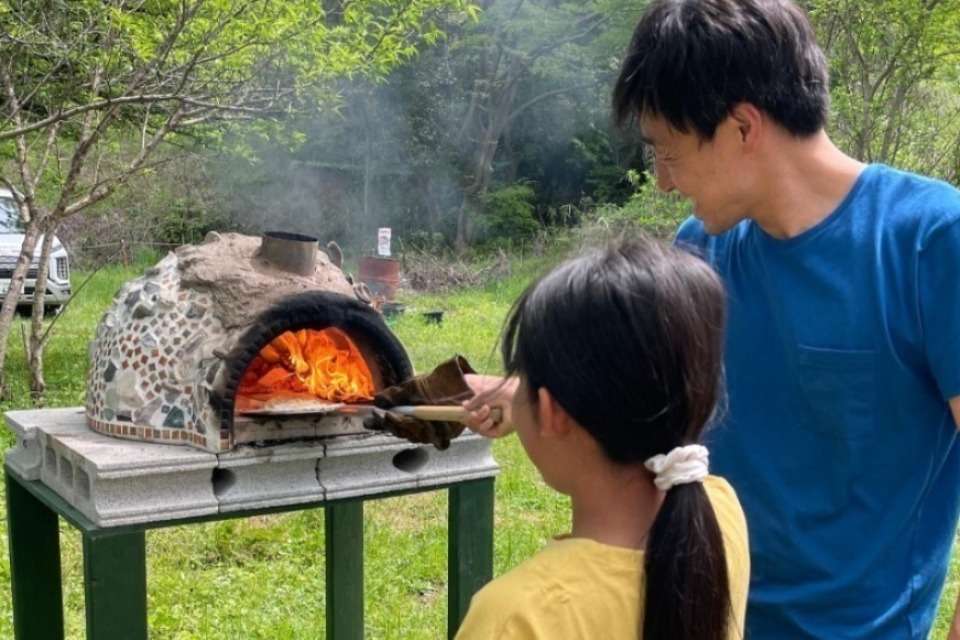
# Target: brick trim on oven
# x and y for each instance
(136, 432)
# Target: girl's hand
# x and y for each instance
(489, 392)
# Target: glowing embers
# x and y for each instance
(306, 365)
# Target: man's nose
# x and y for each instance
(664, 180)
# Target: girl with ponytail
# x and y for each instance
(614, 369)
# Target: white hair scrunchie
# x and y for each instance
(682, 465)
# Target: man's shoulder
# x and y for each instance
(693, 237)
(913, 204)
(691, 234)
(908, 185)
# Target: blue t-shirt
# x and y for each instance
(843, 349)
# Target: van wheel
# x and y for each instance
(52, 310)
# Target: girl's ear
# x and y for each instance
(553, 420)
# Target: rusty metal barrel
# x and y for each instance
(381, 275)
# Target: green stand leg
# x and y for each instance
(470, 548)
(115, 578)
(343, 523)
(34, 566)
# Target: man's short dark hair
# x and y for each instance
(691, 61)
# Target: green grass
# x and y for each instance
(263, 577)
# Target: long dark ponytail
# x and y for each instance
(629, 342)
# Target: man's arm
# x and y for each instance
(955, 627)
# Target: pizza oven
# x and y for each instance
(239, 340)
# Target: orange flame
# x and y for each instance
(325, 364)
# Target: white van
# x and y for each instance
(11, 239)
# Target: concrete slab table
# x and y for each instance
(114, 491)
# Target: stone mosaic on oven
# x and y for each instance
(158, 353)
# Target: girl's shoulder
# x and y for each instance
(573, 583)
(733, 528)
(730, 516)
(565, 565)
(721, 493)
(511, 606)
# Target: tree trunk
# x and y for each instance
(460, 242)
(12, 297)
(434, 212)
(367, 163)
(513, 167)
(37, 340)
(954, 176)
(502, 101)
(367, 152)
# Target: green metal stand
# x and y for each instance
(34, 565)
(344, 540)
(115, 574)
(115, 583)
(470, 547)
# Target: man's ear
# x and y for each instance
(749, 122)
(554, 421)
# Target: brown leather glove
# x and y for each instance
(444, 385)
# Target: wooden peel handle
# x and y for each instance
(443, 413)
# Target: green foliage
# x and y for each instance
(226, 40)
(648, 209)
(193, 66)
(164, 207)
(508, 213)
(423, 242)
(182, 225)
(527, 82)
(895, 73)
(606, 178)
(538, 74)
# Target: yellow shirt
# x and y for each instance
(577, 588)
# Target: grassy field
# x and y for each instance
(263, 577)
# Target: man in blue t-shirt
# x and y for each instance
(843, 345)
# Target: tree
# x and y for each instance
(520, 44)
(421, 151)
(895, 68)
(78, 74)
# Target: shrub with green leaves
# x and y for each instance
(508, 213)
(648, 209)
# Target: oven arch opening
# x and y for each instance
(382, 352)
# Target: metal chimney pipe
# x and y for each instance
(293, 252)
